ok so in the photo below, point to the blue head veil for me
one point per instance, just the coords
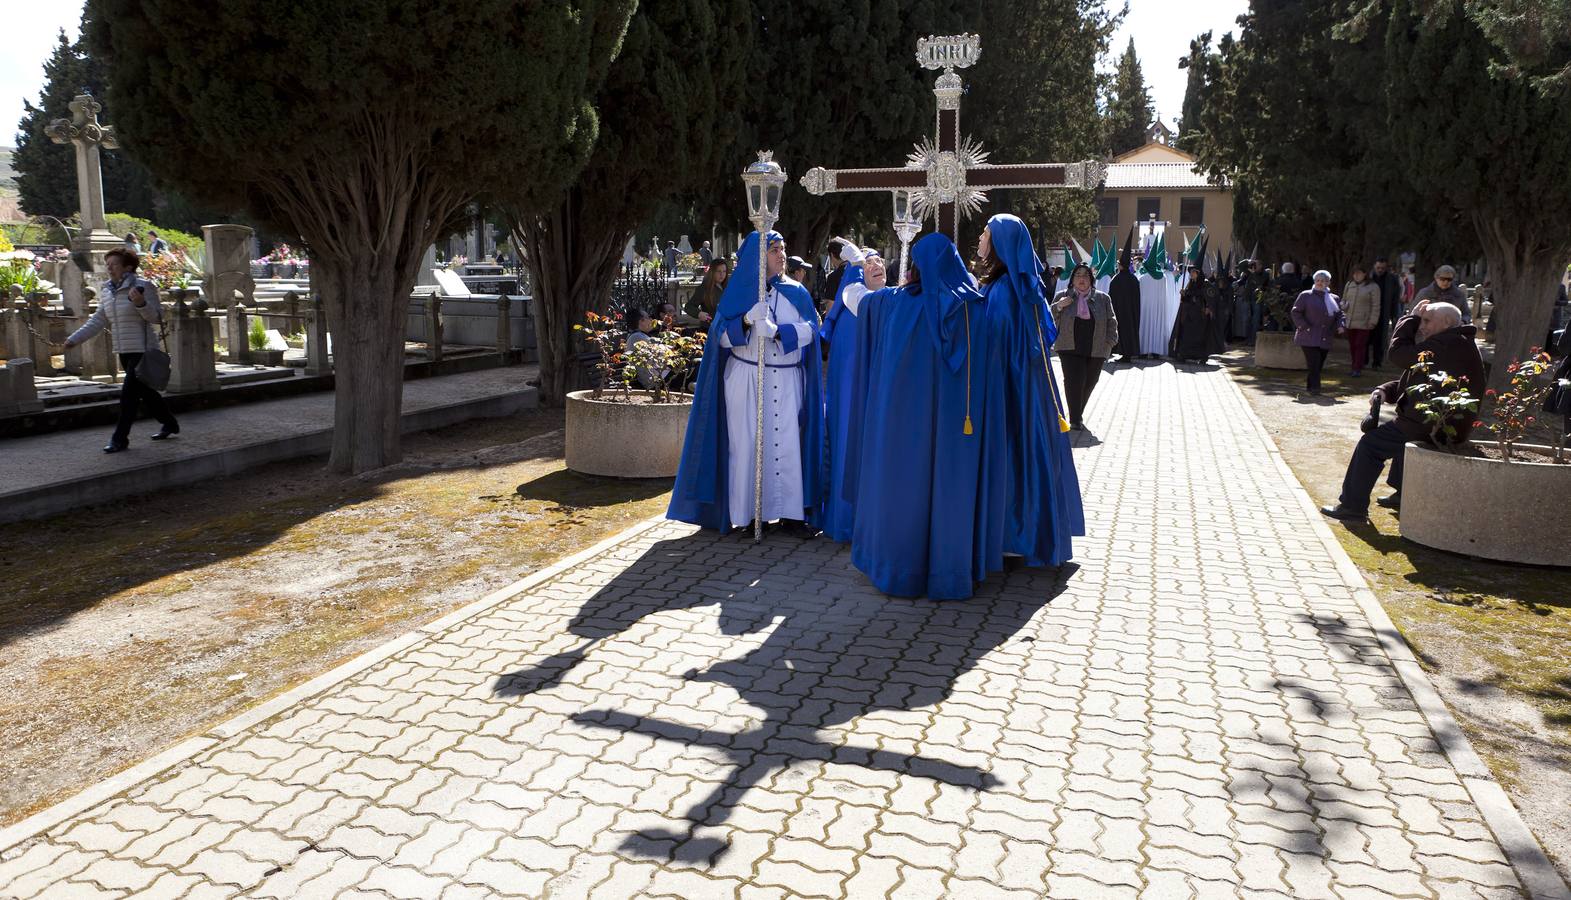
(946, 288)
(741, 289)
(1012, 246)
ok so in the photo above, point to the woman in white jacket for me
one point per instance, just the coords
(128, 307)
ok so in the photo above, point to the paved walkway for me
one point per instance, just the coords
(1205, 705)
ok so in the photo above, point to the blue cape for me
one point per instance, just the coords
(840, 330)
(1044, 509)
(926, 491)
(701, 494)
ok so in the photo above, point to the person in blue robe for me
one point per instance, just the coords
(862, 273)
(716, 477)
(926, 399)
(1044, 510)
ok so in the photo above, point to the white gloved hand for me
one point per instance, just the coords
(849, 251)
(759, 313)
(767, 328)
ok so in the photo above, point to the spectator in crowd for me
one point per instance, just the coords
(1444, 289)
(157, 246)
(128, 307)
(1390, 285)
(831, 282)
(1087, 334)
(668, 315)
(1409, 288)
(1559, 399)
(1318, 319)
(796, 269)
(1434, 328)
(132, 243)
(1361, 303)
(1290, 282)
(639, 324)
(670, 256)
(706, 297)
(705, 255)
(1559, 316)
(1247, 305)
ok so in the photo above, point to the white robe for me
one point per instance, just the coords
(1156, 319)
(783, 392)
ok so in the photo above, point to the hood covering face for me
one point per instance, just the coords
(741, 289)
(946, 289)
(1012, 247)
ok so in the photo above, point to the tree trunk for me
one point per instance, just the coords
(367, 304)
(574, 262)
(1524, 272)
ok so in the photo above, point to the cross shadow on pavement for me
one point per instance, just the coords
(837, 651)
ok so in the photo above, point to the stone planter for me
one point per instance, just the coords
(625, 440)
(1476, 506)
(283, 270)
(273, 358)
(1276, 350)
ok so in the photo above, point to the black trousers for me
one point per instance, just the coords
(133, 392)
(1081, 374)
(1377, 343)
(1316, 358)
(1374, 449)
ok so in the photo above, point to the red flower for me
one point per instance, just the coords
(1477, 424)
(1489, 393)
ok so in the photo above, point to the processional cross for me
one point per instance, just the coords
(948, 178)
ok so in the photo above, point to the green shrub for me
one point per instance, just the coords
(120, 224)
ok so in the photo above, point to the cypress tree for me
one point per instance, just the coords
(364, 145)
(1129, 109)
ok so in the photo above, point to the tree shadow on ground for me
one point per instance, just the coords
(565, 483)
(1468, 581)
(63, 564)
(835, 650)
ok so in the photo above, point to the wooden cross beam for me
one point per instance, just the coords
(948, 177)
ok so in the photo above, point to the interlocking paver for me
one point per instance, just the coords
(1186, 710)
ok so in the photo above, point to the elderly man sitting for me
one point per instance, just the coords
(1435, 328)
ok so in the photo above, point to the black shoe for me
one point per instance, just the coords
(1077, 426)
(1392, 502)
(798, 529)
(167, 432)
(113, 447)
(1344, 514)
(1014, 562)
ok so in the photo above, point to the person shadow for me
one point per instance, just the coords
(836, 650)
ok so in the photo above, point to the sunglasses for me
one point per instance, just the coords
(1444, 280)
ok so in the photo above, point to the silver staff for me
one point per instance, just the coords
(762, 181)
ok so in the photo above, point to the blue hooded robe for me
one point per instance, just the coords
(926, 376)
(701, 495)
(1044, 509)
(840, 331)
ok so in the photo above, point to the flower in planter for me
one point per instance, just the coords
(1441, 399)
(1514, 407)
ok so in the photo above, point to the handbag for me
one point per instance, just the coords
(154, 368)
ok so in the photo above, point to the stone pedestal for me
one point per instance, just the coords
(238, 342)
(228, 267)
(192, 367)
(433, 327)
(74, 293)
(318, 348)
(93, 359)
(504, 324)
(18, 394)
(15, 342)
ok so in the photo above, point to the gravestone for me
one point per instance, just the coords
(318, 341)
(228, 267)
(192, 366)
(18, 394)
(88, 135)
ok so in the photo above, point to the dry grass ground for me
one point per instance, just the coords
(1496, 639)
(127, 627)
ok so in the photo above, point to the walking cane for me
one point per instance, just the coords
(762, 181)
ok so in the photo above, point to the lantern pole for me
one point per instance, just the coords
(762, 181)
(906, 228)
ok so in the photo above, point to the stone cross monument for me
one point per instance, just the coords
(85, 131)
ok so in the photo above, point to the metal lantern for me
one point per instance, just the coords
(902, 205)
(764, 180)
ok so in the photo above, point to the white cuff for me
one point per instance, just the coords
(850, 252)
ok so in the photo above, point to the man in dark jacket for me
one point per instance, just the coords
(1436, 329)
(1390, 309)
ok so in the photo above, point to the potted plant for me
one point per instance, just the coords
(256, 338)
(1274, 347)
(619, 428)
(1470, 497)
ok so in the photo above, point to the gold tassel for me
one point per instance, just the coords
(967, 429)
(968, 424)
(1047, 369)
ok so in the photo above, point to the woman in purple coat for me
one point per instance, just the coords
(1318, 315)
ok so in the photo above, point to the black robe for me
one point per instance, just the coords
(1219, 300)
(1125, 293)
(1192, 328)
